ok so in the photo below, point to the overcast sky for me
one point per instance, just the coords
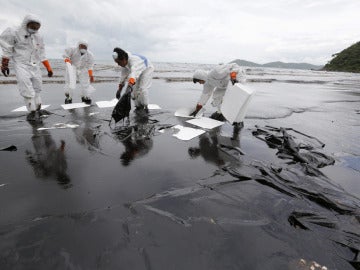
(197, 31)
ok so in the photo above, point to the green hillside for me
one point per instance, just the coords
(348, 60)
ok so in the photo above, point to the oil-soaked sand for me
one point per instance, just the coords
(135, 197)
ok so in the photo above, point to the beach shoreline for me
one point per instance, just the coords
(135, 196)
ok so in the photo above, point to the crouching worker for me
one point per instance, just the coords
(215, 83)
(136, 71)
(25, 47)
(82, 61)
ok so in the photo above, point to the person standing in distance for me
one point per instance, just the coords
(25, 47)
(82, 61)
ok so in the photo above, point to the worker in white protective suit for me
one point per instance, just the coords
(136, 72)
(25, 47)
(82, 61)
(215, 83)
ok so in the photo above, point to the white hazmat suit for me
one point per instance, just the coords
(141, 69)
(216, 82)
(27, 51)
(83, 64)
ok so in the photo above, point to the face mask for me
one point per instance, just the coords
(32, 31)
(83, 51)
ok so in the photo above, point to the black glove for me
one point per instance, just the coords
(198, 108)
(5, 67)
(234, 81)
(118, 92)
(50, 73)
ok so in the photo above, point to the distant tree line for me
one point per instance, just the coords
(347, 60)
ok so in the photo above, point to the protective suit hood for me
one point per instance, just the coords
(29, 18)
(200, 74)
(83, 42)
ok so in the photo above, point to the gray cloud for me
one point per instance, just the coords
(196, 31)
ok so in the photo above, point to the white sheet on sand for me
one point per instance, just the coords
(59, 126)
(205, 122)
(235, 102)
(74, 106)
(154, 107)
(112, 103)
(185, 112)
(107, 104)
(100, 104)
(24, 109)
(187, 133)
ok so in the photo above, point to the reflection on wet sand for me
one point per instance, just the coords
(277, 206)
(215, 148)
(88, 132)
(137, 138)
(48, 160)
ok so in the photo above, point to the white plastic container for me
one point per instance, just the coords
(236, 101)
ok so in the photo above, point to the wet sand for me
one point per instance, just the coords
(135, 197)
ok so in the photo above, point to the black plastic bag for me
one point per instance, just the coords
(123, 107)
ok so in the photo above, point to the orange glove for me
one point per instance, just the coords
(233, 75)
(91, 75)
(48, 67)
(67, 60)
(233, 78)
(131, 81)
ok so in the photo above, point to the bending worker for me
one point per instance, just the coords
(136, 71)
(215, 83)
(25, 47)
(82, 61)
